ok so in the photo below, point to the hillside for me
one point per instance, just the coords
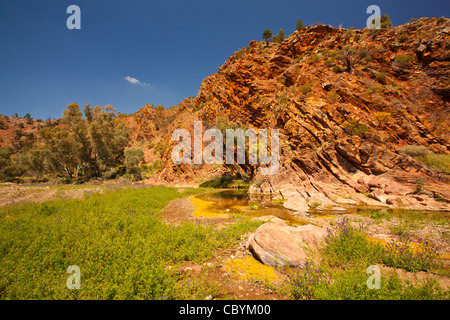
(352, 108)
(340, 131)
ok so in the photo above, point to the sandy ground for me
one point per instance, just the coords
(16, 194)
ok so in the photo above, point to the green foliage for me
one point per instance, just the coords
(374, 87)
(348, 35)
(414, 150)
(383, 117)
(400, 254)
(403, 61)
(352, 55)
(279, 37)
(305, 88)
(305, 280)
(84, 147)
(441, 20)
(380, 76)
(403, 37)
(351, 284)
(333, 96)
(440, 162)
(226, 181)
(133, 159)
(267, 34)
(338, 69)
(316, 57)
(118, 240)
(343, 272)
(354, 128)
(300, 25)
(385, 22)
(346, 243)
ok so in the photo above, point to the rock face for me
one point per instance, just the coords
(277, 244)
(340, 132)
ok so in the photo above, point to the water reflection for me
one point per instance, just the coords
(238, 202)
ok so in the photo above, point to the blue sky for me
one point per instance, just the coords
(168, 46)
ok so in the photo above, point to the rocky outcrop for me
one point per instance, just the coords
(277, 244)
(340, 132)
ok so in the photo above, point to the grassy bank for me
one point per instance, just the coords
(346, 267)
(118, 240)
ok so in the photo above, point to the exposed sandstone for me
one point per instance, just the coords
(333, 144)
(277, 244)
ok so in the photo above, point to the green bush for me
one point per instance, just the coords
(441, 20)
(305, 88)
(415, 150)
(345, 243)
(300, 25)
(354, 128)
(305, 280)
(400, 254)
(440, 162)
(403, 37)
(338, 69)
(403, 61)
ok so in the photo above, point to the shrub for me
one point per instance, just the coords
(403, 61)
(350, 56)
(333, 96)
(304, 281)
(414, 150)
(345, 243)
(338, 69)
(354, 128)
(441, 20)
(400, 254)
(328, 62)
(403, 37)
(374, 87)
(305, 88)
(316, 57)
(279, 37)
(380, 76)
(384, 117)
(385, 22)
(440, 162)
(300, 25)
(348, 35)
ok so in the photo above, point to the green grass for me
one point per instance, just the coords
(122, 246)
(342, 271)
(440, 162)
(312, 282)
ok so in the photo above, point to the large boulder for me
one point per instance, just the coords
(277, 244)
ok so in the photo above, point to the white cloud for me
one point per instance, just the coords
(132, 80)
(137, 82)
